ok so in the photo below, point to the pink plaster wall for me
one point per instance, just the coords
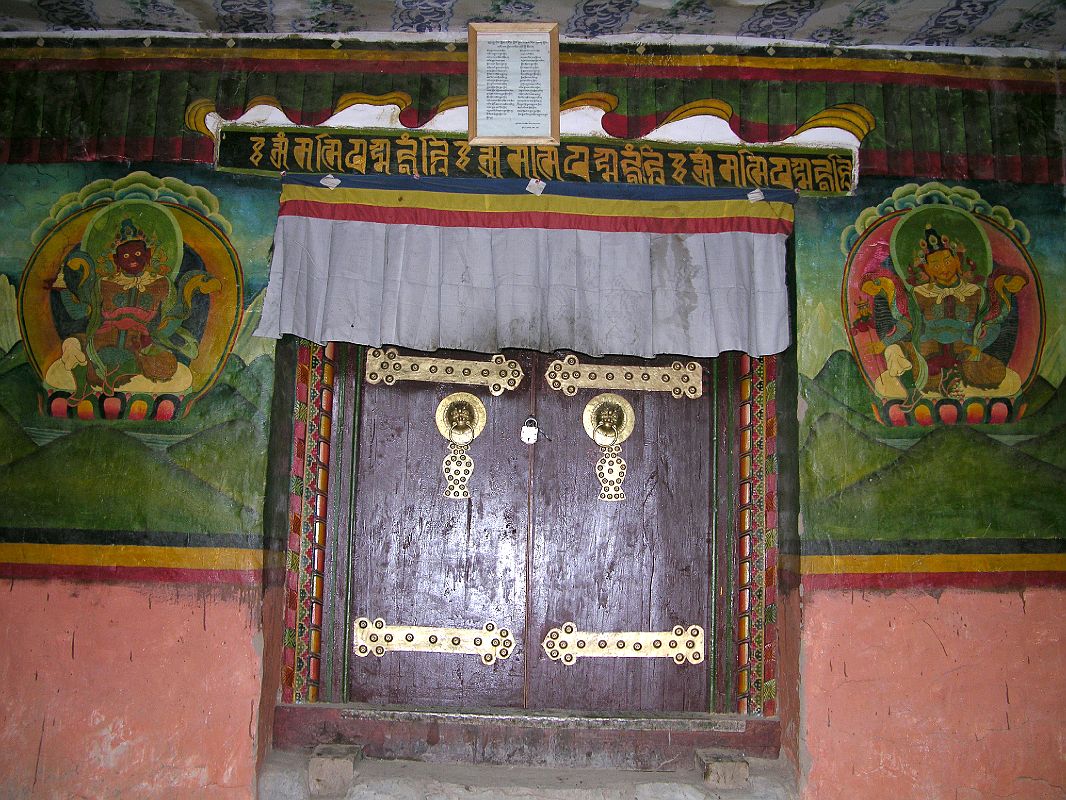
(909, 695)
(128, 691)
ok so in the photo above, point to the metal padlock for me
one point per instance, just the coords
(530, 430)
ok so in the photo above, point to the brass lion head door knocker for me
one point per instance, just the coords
(609, 420)
(460, 418)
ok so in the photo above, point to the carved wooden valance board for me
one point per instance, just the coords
(274, 150)
(126, 99)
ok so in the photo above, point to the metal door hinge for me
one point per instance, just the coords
(681, 644)
(681, 378)
(499, 373)
(375, 638)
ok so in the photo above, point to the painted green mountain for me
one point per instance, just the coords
(230, 457)
(19, 390)
(836, 455)
(254, 382)
(1049, 447)
(1038, 420)
(14, 443)
(13, 357)
(955, 483)
(839, 388)
(249, 346)
(101, 479)
(842, 379)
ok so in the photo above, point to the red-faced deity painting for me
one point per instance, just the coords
(144, 298)
(944, 309)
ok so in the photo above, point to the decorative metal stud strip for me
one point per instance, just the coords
(498, 373)
(376, 638)
(681, 379)
(567, 644)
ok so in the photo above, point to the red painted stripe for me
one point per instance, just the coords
(623, 127)
(352, 212)
(873, 162)
(1009, 168)
(249, 64)
(1036, 169)
(982, 167)
(250, 577)
(111, 147)
(52, 150)
(24, 150)
(718, 72)
(168, 148)
(934, 580)
(757, 132)
(955, 167)
(593, 69)
(927, 164)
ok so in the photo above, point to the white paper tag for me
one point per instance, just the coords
(755, 195)
(535, 186)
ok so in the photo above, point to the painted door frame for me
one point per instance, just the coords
(723, 383)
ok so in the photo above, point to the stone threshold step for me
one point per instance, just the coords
(521, 738)
(285, 776)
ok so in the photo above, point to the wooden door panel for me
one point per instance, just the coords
(423, 559)
(640, 564)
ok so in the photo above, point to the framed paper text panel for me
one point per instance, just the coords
(513, 84)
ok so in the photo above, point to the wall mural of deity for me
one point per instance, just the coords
(931, 348)
(944, 307)
(134, 395)
(145, 294)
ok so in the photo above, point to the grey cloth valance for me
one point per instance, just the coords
(412, 266)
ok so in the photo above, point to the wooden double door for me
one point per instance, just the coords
(533, 548)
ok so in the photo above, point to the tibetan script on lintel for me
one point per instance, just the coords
(312, 151)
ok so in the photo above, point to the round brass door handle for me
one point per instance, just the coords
(608, 419)
(461, 417)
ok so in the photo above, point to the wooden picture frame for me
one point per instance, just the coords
(513, 83)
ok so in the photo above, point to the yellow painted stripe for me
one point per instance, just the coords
(969, 562)
(92, 555)
(842, 64)
(778, 63)
(558, 204)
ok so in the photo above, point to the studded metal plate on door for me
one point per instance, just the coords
(567, 644)
(680, 378)
(375, 638)
(498, 373)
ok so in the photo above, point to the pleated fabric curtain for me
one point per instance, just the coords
(484, 265)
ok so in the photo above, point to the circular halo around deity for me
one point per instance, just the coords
(152, 220)
(608, 419)
(949, 222)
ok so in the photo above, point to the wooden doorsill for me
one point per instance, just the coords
(524, 738)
